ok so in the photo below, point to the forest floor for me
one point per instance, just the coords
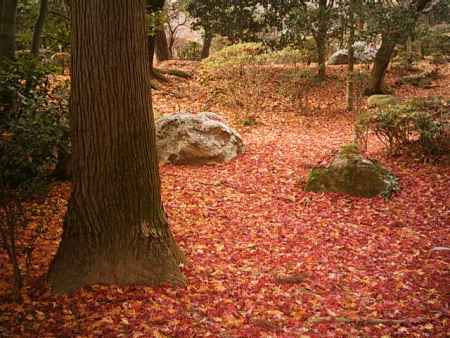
(265, 258)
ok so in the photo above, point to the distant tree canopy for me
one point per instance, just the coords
(239, 20)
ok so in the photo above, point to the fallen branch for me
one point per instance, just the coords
(176, 72)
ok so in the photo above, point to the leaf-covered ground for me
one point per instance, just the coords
(265, 258)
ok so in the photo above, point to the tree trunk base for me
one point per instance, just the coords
(148, 261)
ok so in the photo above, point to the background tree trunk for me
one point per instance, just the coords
(207, 41)
(8, 9)
(351, 58)
(321, 38)
(321, 55)
(380, 65)
(115, 230)
(151, 50)
(38, 28)
(162, 47)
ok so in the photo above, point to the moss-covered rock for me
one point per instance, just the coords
(381, 101)
(352, 174)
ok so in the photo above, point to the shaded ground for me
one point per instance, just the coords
(266, 259)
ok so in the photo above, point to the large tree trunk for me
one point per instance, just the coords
(8, 10)
(162, 47)
(207, 40)
(380, 65)
(38, 28)
(115, 230)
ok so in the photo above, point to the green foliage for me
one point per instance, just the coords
(406, 60)
(422, 80)
(238, 54)
(33, 122)
(237, 20)
(433, 40)
(287, 55)
(425, 123)
(56, 35)
(255, 53)
(191, 51)
(218, 43)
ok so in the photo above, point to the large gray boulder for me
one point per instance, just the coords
(352, 174)
(185, 138)
(362, 54)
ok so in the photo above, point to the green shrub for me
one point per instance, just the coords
(191, 51)
(218, 43)
(438, 59)
(407, 60)
(33, 122)
(435, 42)
(425, 123)
(287, 55)
(238, 54)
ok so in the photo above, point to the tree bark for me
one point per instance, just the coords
(380, 64)
(151, 50)
(8, 9)
(38, 28)
(321, 56)
(351, 58)
(115, 230)
(207, 40)
(321, 38)
(162, 47)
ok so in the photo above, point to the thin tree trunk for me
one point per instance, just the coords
(8, 9)
(321, 38)
(115, 231)
(321, 56)
(162, 47)
(38, 28)
(380, 65)
(351, 58)
(151, 50)
(207, 41)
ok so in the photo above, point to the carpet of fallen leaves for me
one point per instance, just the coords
(265, 258)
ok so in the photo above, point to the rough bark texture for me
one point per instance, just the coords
(115, 231)
(7, 28)
(162, 47)
(38, 28)
(380, 65)
(207, 40)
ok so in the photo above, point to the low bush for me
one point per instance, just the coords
(191, 51)
(256, 53)
(421, 122)
(33, 134)
(33, 122)
(238, 54)
(287, 55)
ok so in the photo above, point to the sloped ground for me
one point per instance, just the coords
(266, 259)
